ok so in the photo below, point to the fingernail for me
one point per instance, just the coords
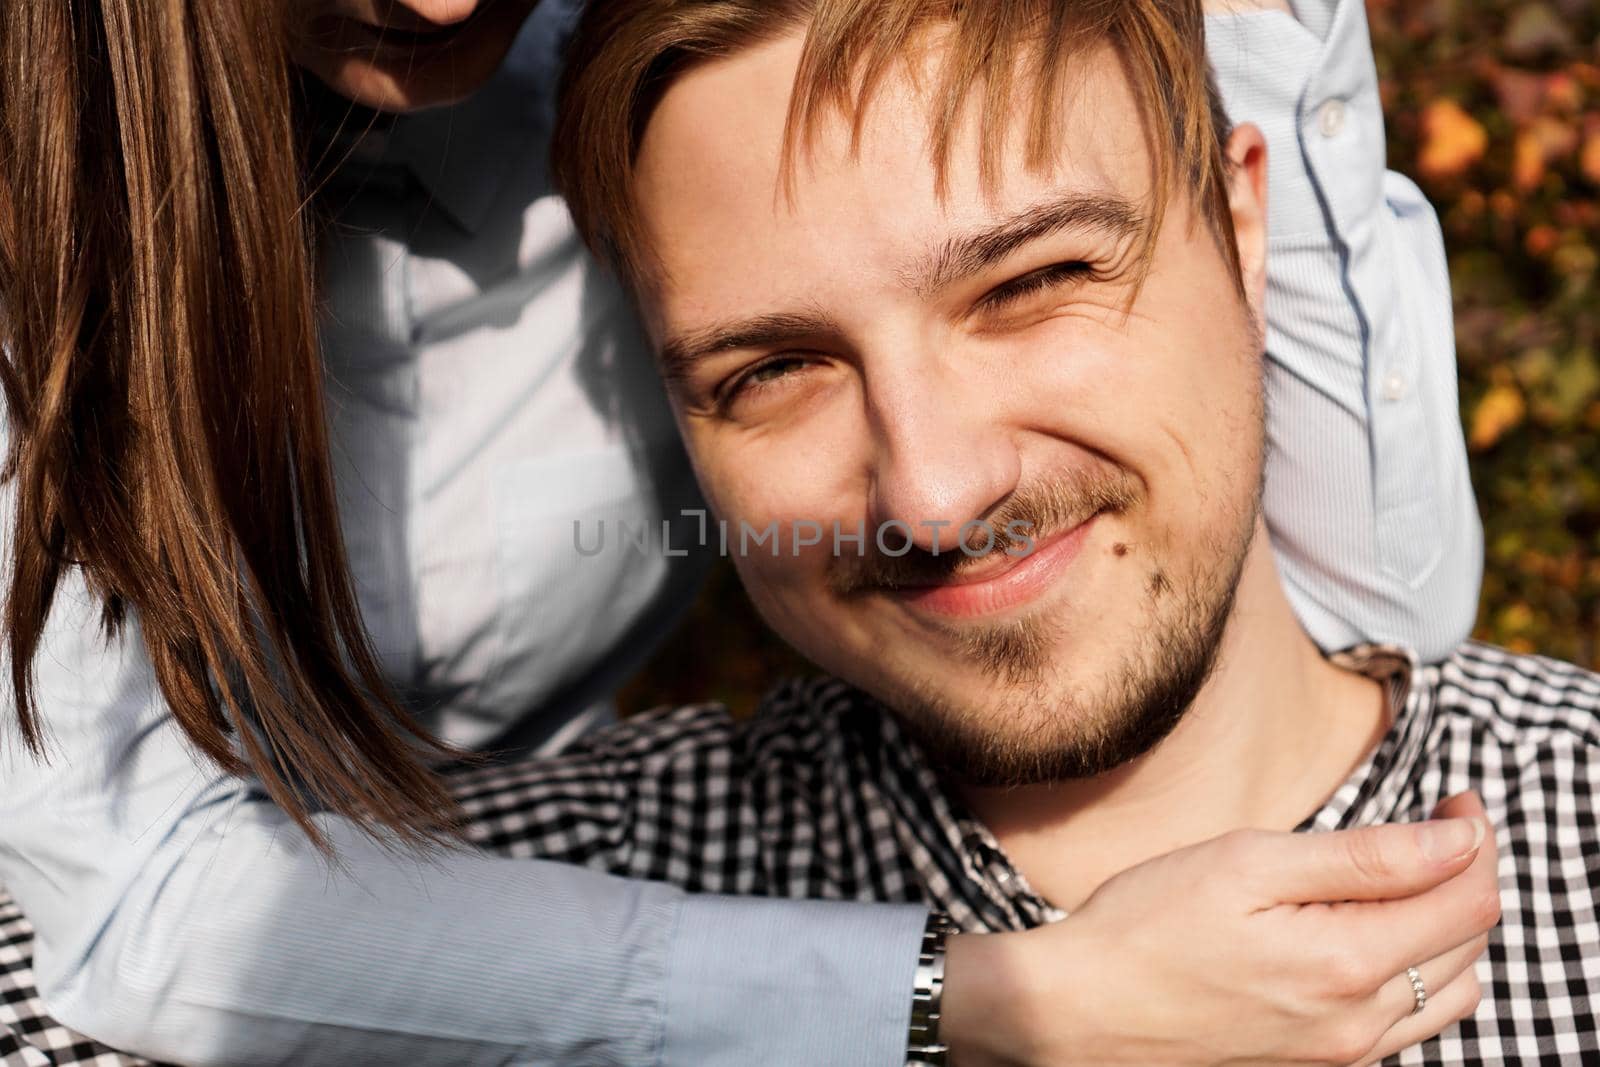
(1442, 840)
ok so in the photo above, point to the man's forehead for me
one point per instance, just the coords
(712, 186)
(734, 112)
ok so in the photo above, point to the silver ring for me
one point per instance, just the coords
(1418, 991)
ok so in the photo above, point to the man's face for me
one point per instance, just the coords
(864, 350)
(399, 55)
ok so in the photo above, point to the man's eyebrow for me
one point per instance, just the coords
(957, 258)
(680, 353)
(969, 254)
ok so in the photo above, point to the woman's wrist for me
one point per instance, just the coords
(1012, 999)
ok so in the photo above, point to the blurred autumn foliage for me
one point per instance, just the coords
(1494, 107)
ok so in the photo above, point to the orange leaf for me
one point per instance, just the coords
(1557, 137)
(1541, 240)
(1452, 140)
(1563, 91)
(1544, 142)
(1527, 161)
(1590, 160)
(1500, 410)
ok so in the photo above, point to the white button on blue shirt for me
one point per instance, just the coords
(1330, 118)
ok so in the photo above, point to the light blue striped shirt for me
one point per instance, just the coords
(485, 379)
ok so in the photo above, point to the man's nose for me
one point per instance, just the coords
(944, 458)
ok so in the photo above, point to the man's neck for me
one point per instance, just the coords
(1271, 736)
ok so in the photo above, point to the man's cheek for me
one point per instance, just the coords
(795, 566)
(791, 608)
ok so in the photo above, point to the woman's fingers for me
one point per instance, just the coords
(1402, 932)
(1395, 1000)
(1461, 805)
(1455, 1000)
(1370, 863)
(1396, 934)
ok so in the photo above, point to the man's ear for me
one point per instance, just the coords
(1247, 200)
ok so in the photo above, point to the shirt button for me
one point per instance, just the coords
(1330, 118)
(1394, 387)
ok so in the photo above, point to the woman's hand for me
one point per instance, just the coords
(1251, 948)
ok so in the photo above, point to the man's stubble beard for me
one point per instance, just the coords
(1082, 735)
(1021, 740)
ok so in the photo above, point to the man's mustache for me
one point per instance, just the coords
(1020, 522)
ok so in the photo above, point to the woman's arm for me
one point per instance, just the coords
(1368, 497)
(181, 916)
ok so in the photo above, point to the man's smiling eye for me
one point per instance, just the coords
(1051, 277)
(761, 375)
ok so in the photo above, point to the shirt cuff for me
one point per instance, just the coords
(752, 980)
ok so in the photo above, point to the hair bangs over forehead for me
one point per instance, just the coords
(1012, 58)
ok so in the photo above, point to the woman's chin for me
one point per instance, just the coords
(397, 85)
(353, 60)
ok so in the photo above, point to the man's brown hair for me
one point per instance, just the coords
(625, 54)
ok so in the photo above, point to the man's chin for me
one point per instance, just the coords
(1030, 737)
(1031, 705)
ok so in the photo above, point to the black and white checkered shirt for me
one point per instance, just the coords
(822, 795)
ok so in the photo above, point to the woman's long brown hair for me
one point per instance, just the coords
(164, 396)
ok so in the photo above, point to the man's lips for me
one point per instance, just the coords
(1001, 581)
